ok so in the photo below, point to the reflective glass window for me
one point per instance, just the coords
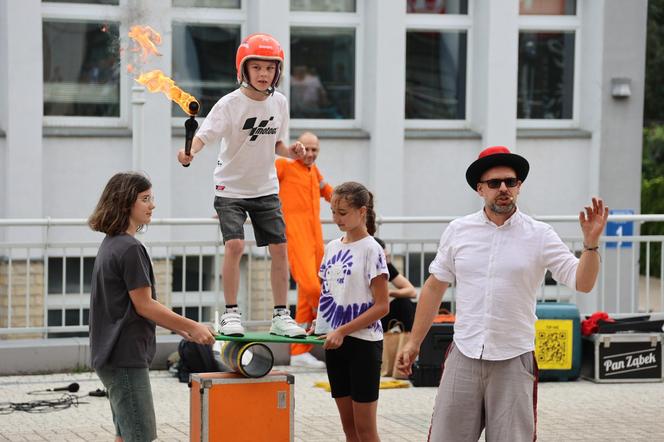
(437, 6)
(94, 2)
(81, 69)
(436, 75)
(323, 5)
(322, 80)
(204, 62)
(547, 7)
(228, 4)
(546, 75)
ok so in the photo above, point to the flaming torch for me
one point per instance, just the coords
(156, 81)
(190, 127)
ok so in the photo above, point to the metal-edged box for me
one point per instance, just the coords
(623, 357)
(558, 341)
(231, 407)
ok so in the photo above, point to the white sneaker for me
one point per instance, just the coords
(306, 360)
(284, 325)
(230, 323)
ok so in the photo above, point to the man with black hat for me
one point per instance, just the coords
(498, 258)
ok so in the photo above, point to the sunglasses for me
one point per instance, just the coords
(496, 182)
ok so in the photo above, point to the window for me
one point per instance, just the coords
(547, 7)
(437, 42)
(547, 63)
(546, 75)
(204, 44)
(436, 75)
(231, 4)
(198, 273)
(204, 62)
(95, 2)
(323, 5)
(437, 6)
(72, 317)
(81, 68)
(193, 314)
(322, 81)
(71, 268)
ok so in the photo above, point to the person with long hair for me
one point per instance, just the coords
(353, 298)
(124, 310)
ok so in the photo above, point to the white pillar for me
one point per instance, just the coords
(272, 17)
(155, 155)
(23, 74)
(137, 139)
(383, 113)
(494, 77)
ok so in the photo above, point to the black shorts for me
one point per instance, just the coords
(264, 211)
(354, 369)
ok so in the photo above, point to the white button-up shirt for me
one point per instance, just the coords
(498, 270)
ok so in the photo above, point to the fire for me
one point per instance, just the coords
(156, 81)
(147, 39)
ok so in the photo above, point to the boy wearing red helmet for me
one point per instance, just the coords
(251, 123)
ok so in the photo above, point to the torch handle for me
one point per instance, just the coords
(190, 127)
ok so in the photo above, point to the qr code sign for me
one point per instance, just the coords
(553, 344)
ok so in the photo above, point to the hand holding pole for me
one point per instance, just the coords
(190, 126)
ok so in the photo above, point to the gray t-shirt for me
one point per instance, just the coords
(120, 337)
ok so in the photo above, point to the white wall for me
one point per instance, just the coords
(3, 178)
(63, 176)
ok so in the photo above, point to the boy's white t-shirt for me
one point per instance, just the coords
(248, 131)
(346, 272)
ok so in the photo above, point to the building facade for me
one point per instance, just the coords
(404, 94)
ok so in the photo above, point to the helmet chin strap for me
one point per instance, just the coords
(269, 91)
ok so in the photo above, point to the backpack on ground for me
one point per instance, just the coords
(194, 358)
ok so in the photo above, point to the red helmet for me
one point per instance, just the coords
(260, 46)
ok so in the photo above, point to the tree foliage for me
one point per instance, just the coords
(652, 188)
(654, 92)
(652, 192)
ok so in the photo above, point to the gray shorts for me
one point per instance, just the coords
(496, 396)
(264, 212)
(130, 395)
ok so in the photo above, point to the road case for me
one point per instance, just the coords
(231, 407)
(428, 368)
(435, 343)
(623, 357)
(558, 341)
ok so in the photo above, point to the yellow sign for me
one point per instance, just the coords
(553, 344)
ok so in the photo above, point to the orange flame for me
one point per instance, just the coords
(156, 81)
(147, 40)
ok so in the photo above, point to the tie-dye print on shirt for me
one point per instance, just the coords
(346, 272)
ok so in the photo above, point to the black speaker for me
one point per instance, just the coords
(434, 346)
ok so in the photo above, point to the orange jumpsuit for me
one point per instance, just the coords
(300, 193)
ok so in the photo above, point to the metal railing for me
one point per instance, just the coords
(44, 285)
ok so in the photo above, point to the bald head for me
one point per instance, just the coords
(312, 148)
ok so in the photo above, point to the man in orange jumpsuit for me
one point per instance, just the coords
(301, 187)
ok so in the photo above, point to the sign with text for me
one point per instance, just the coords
(620, 228)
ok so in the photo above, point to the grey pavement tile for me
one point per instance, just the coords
(567, 411)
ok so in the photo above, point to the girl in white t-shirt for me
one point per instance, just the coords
(354, 297)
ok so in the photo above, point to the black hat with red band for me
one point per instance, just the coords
(496, 156)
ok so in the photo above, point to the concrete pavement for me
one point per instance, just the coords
(578, 410)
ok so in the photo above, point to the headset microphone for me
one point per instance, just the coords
(72, 388)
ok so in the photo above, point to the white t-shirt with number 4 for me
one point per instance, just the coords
(346, 272)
